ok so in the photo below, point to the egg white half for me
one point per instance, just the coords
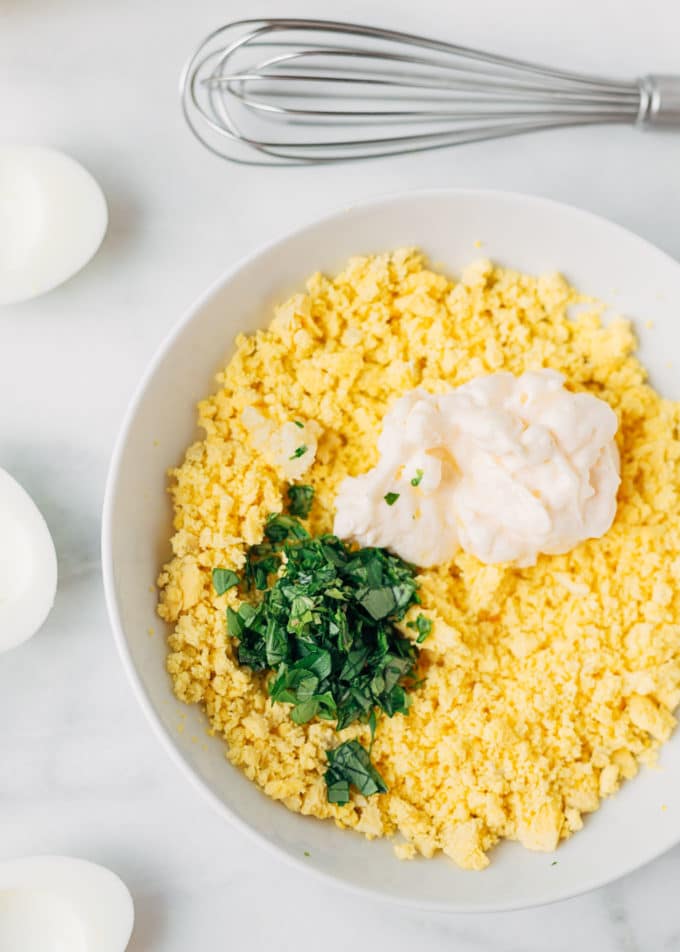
(53, 217)
(56, 903)
(28, 565)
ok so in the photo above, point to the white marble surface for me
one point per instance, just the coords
(81, 772)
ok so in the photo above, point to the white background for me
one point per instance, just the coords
(80, 772)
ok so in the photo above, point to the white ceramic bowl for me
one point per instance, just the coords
(527, 233)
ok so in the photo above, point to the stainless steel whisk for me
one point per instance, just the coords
(291, 92)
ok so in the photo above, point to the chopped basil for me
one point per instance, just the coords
(391, 498)
(379, 602)
(325, 627)
(280, 527)
(372, 724)
(300, 500)
(350, 764)
(223, 580)
(422, 625)
(299, 423)
(418, 476)
(300, 451)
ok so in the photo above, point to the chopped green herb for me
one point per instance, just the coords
(300, 451)
(422, 625)
(307, 853)
(350, 764)
(418, 476)
(554, 863)
(280, 527)
(325, 626)
(300, 500)
(264, 559)
(372, 724)
(223, 580)
(391, 498)
(299, 423)
(259, 569)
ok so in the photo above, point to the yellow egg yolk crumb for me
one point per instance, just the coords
(544, 688)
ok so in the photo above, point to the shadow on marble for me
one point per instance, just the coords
(125, 214)
(50, 478)
(150, 925)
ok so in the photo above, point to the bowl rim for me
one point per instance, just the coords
(161, 732)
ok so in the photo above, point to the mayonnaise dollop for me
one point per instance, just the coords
(503, 467)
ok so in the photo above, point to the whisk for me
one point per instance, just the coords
(296, 91)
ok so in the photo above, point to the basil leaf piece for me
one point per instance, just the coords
(379, 602)
(300, 499)
(223, 580)
(234, 623)
(280, 527)
(372, 724)
(337, 788)
(304, 711)
(263, 569)
(275, 643)
(354, 664)
(328, 710)
(318, 661)
(422, 625)
(351, 763)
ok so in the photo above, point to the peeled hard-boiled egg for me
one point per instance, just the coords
(28, 566)
(58, 904)
(53, 217)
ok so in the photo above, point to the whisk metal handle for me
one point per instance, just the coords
(660, 100)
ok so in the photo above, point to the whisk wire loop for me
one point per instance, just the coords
(299, 91)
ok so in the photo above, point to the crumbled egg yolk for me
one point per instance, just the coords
(544, 687)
